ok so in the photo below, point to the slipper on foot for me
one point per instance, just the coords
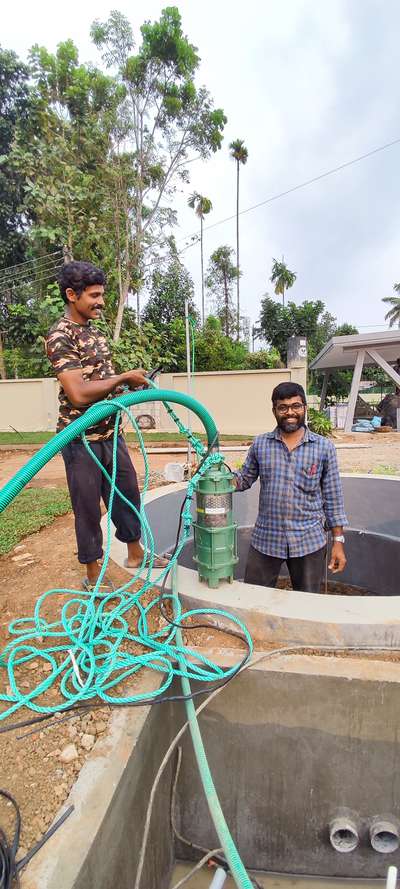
(104, 589)
(158, 562)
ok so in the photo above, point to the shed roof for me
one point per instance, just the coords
(341, 351)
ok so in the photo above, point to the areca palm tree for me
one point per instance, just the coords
(201, 206)
(393, 315)
(240, 154)
(282, 277)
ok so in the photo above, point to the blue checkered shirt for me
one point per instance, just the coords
(300, 494)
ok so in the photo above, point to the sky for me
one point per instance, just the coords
(308, 85)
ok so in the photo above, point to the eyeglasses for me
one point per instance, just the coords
(297, 407)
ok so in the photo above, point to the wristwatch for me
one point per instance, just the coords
(339, 538)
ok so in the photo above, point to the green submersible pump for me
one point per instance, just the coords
(215, 533)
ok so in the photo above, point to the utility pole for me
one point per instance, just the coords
(189, 381)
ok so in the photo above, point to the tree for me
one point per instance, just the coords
(393, 315)
(282, 277)
(69, 186)
(221, 275)
(14, 108)
(310, 319)
(169, 290)
(166, 118)
(240, 154)
(202, 206)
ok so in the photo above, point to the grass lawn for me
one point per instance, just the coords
(33, 509)
(38, 438)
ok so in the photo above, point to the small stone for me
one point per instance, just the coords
(69, 753)
(47, 668)
(21, 852)
(60, 790)
(100, 726)
(72, 731)
(21, 558)
(33, 665)
(87, 742)
(19, 548)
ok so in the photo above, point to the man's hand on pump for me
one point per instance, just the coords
(135, 379)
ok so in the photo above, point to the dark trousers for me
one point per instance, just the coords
(306, 572)
(88, 486)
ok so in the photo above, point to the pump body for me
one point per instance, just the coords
(215, 533)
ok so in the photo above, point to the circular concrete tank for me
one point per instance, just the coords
(297, 743)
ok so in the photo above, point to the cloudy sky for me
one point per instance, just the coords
(309, 85)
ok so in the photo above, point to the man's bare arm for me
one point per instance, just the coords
(81, 393)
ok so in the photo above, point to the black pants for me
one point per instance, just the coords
(306, 572)
(87, 486)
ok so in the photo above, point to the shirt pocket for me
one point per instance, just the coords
(308, 478)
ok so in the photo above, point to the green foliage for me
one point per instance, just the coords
(33, 509)
(26, 326)
(221, 274)
(383, 469)
(282, 277)
(14, 110)
(200, 204)
(264, 359)
(166, 118)
(318, 422)
(309, 319)
(393, 315)
(168, 292)
(238, 151)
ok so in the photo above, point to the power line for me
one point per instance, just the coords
(28, 261)
(16, 270)
(42, 266)
(48, 277)
(283, 194)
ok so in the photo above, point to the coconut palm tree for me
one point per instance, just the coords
(201, 206)
(393, 315)
(282, 277)
(240, 154)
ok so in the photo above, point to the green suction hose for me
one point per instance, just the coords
(92, 416)
(236, 865)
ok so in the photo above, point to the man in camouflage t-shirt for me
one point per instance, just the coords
(81, 360)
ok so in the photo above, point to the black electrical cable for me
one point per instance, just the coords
(8, 851)
(9, 867)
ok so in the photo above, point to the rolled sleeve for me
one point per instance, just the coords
(248, 474)
(332, 491)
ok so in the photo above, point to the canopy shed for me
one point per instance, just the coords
(355, 352)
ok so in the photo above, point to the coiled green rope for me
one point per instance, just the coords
(87, 647)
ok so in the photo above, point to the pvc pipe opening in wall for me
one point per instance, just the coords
(384, 836)
(343, 835)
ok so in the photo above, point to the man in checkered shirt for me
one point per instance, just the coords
(300, 497)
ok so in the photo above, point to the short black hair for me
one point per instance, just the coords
(78, 276)
(288, 390)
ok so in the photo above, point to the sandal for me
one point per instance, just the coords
(158, 563)
(104, 589)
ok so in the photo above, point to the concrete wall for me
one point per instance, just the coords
(290, 742)
(239, 401)
(98, 847)
(28, 405)
(289, 746)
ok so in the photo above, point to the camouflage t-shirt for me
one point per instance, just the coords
(72, 346)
